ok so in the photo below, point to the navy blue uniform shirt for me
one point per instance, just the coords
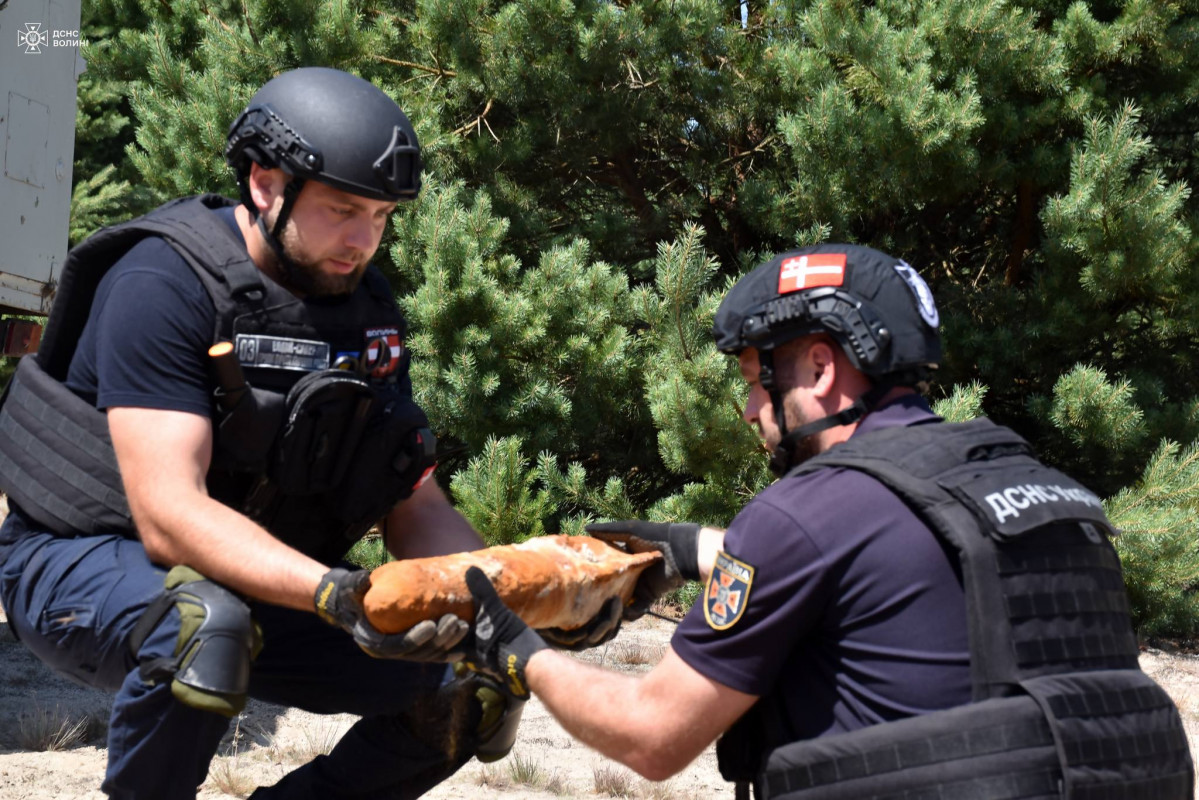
(855, 613)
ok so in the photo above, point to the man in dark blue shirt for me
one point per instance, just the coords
(853, 612)
(827, 595)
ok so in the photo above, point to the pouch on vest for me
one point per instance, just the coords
(327, 415)
(739, 751)
(1104, 734)
(1117, 733)
(993, 750)
(247, 432)
(390, 462)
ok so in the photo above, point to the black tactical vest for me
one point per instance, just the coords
(1061, 708)
(315, 455)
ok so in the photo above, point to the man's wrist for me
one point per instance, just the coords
(539, 664)
(337, 599)
(711, 541)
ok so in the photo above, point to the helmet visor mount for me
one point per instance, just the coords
(398, 168)
(263, 135)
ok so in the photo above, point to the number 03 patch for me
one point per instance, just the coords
(727, 592)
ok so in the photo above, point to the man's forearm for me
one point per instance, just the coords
(231, 549)
(611, 715)
(164, 458)
(427, 525)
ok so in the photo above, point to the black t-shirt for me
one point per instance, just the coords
(853, 610)
(148, 333)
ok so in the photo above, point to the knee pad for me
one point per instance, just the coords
(218, 640)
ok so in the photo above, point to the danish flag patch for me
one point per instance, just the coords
(727, 591)
(810, 271)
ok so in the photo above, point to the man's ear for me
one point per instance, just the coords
(823, 360)
(266, 187)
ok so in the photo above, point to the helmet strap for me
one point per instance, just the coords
(784, 453)
(766, 379)
(290, 192)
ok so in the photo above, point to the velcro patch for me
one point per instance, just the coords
(382, 351)
(810, 271)
(728, 591)
(1013, 504)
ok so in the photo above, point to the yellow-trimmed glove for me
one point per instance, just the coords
(338, 601)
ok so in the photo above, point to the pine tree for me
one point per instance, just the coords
(598, 173)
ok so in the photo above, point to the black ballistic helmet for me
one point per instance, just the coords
(874, 305)
(330, 126)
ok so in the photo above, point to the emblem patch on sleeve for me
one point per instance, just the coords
(727, 592)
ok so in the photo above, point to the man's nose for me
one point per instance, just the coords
(361, 235)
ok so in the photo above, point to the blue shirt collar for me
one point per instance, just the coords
(903, 411)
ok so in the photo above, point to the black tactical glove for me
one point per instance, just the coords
(502, 643)
(678, 542)
(601, 628)
(338, 601)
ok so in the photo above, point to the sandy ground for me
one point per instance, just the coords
(268, 741)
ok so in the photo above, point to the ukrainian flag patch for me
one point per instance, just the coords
(727, 591)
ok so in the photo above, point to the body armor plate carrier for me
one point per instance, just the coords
(1061, 708)
(315, 457)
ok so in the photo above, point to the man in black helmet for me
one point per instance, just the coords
(862, 587)
(220, 408)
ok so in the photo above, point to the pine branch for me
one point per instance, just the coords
(438, 71)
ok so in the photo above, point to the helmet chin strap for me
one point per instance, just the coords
(290, 192)
(783, 454)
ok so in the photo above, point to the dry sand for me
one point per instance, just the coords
(268, 741)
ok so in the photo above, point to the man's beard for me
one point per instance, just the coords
(803, 449)
(302, 274)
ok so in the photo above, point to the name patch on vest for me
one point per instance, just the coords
(254, 350)
(727, 592)
(1014, 504)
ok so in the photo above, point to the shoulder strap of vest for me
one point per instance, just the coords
(987, 468)
(201, 237)
(212, 246)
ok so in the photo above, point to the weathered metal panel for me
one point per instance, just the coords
(39, 69)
